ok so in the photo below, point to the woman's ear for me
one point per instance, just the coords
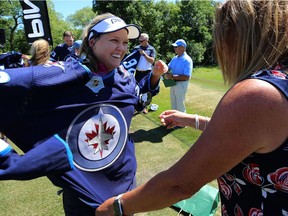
(92, 42)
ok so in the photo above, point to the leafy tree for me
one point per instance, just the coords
(118, 7)
(167, 31)
(80, 19)
(194, 23)
(11, 20)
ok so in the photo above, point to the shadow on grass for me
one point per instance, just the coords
(154, 135)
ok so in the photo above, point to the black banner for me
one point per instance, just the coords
(36, 20)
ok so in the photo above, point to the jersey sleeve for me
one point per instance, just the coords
(50, 156)
(20, 90)
(146, 92)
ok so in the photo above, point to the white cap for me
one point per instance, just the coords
(113, 24)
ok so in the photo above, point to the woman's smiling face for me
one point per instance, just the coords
(110, 48)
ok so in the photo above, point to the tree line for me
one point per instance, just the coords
(164, 21)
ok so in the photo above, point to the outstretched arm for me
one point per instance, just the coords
(172, 118)
(50, 156)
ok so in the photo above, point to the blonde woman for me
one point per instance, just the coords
(40, 52)
(245, 144)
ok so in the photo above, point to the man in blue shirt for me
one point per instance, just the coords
(180, 68)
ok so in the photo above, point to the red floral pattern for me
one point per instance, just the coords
(224, 188)
(224, 211)
(255, 212)
(252, 175)
(238, 211)
(280, 179)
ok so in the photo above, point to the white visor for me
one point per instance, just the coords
(113, 24)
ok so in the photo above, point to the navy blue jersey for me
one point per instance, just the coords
(11, 60)
(63, 53)
(67, 104)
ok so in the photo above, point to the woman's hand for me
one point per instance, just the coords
(172, 118)
(106, 208)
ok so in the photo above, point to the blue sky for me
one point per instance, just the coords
(68, 7)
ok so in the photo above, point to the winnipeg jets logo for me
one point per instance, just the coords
(97, 137)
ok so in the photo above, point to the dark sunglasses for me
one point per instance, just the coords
(141, 41)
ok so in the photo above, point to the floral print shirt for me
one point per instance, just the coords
(259, 184)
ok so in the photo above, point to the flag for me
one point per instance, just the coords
(36, 20)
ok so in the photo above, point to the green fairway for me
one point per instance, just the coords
(156, 148)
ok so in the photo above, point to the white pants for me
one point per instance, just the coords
(177, 95)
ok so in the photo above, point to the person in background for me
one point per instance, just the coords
(76, 46)
(180, 70)
(245, 144)
(40, 53)
(146, 60)
(64, 51)
(77, 134)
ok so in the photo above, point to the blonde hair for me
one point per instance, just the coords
(40, 52)
(90, 60)
(250, 35)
